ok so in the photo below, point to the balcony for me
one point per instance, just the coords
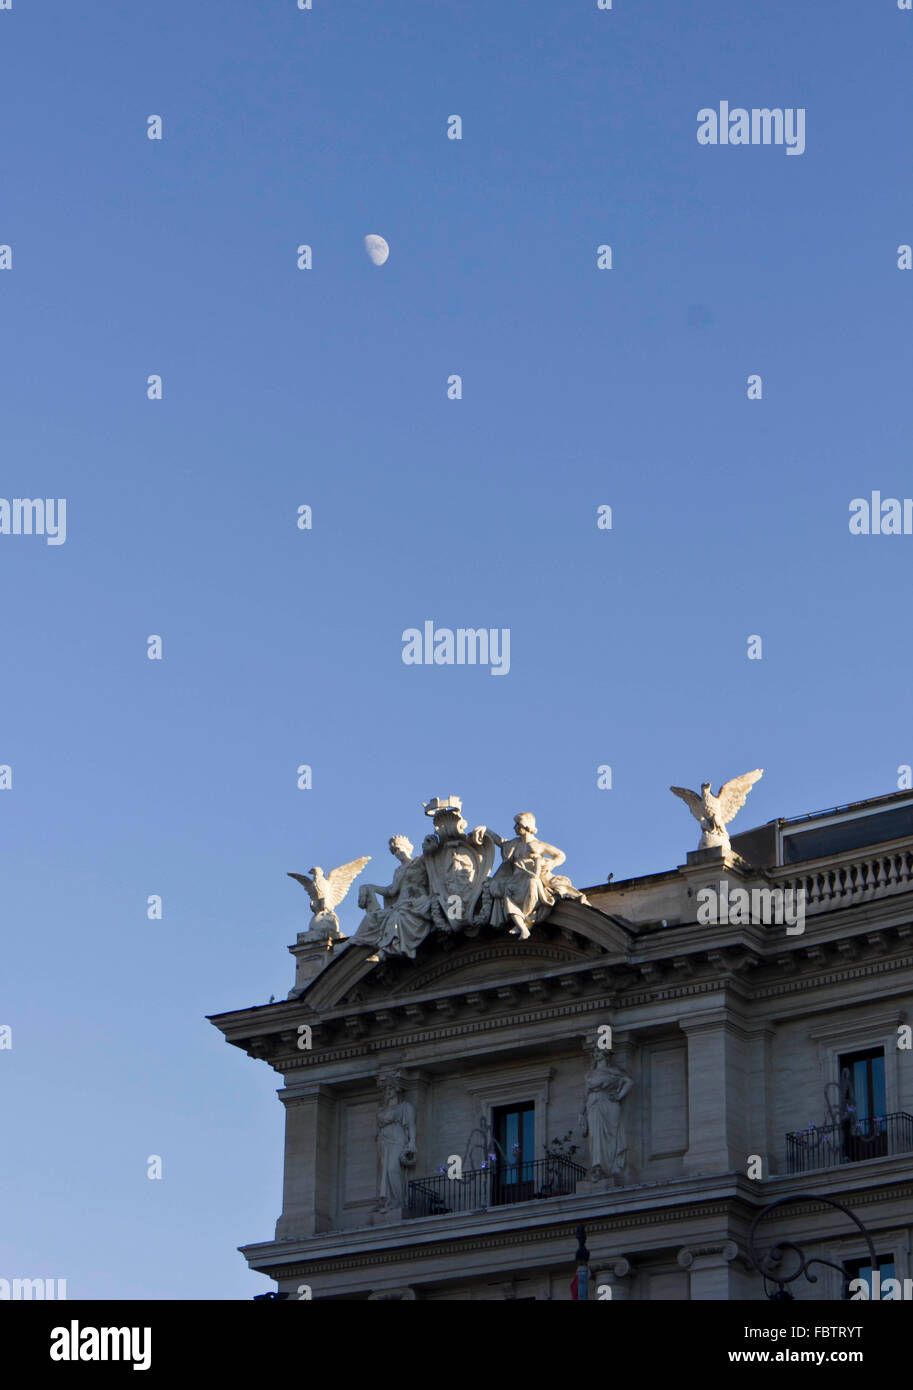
(495, 1186)
(853, 1141)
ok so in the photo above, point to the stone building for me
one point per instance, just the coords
(496, 1058)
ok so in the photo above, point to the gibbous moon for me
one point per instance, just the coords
(376, 248)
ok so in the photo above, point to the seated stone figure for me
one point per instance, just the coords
(525, 887)
(401, 925)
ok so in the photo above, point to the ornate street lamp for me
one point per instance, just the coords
(768, 1265)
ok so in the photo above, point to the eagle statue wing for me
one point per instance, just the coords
(694, 802)
(732, 794)
(338, 881)
(309, 885)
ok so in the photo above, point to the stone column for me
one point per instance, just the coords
(708, 1267)
(308, 1185)
(617, 1275)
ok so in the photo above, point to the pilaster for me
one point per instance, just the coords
(310, 1149)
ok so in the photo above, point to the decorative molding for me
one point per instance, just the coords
(507, 951)
(841, 1031)
(356, 1025)
(618, 1226)
(319, 1090)
(566, 1233)
(506, 1083)
(472, 1026)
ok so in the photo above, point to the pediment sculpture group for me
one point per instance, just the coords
(449, 887)
(601, 1124)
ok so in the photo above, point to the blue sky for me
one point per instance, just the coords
(328, 388)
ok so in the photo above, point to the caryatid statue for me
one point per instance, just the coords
(715, 812)
(395, 1142)
(601, 1120)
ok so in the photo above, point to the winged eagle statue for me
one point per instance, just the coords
(715, 812)
(326, 892)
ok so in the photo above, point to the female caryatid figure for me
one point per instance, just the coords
(602, 1124)
(395, 1145)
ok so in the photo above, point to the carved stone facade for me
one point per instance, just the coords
(460, 1099)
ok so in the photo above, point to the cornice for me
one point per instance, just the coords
(863, 971)
(738, 1205)
(844, 925)
(565, 1230)
(422, 1036)
(594, 986)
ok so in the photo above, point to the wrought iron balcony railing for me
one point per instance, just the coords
(851, 1141)
(495, 1186)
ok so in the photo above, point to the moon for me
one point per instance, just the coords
(376, 248)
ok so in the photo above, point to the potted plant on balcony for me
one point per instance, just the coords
(557, 1154)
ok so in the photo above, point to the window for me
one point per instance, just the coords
(515, 1146)
(864, 1129)
(843, 834)
(862, 1269)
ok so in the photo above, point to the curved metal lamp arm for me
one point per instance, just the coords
(775, 1254)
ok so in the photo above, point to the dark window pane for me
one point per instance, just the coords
(529, 1141)
(861, 1269)
(514, 1128)
(878, 1092)
(866, 1075)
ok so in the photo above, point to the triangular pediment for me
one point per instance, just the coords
(572, 935)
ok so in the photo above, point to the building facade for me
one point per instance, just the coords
(495, 1058)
